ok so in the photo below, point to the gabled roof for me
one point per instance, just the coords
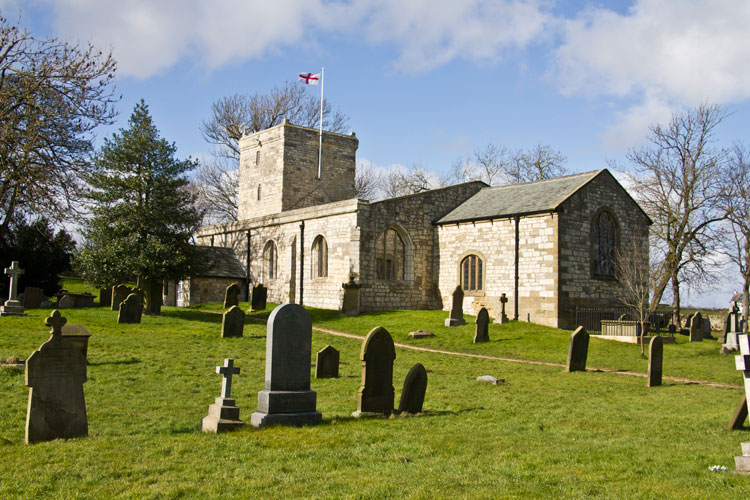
(222, 263)
(519, 199)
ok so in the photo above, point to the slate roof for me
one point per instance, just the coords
(223, 263)
(518, 199)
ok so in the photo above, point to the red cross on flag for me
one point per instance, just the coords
(309, 78)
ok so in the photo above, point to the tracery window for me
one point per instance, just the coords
(604, 241)
(390, 256)
(269, 260)
(471, 274)
(319, 257)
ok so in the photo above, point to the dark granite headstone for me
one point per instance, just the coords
(655, 358)
(105, 296)
(481, 332)
(55, 374)
(456, 317)
(232, 323)
(578, 350)
(33, 297)
(696, 327)
(375, 395)
(119, 293)
(287, 398)
(131, 309)
(258, 298)
(415, 386)
(327, 363)
(223, 415)
(232, 295)
(740, 415)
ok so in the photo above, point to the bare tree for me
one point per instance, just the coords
(536, 164)
(52, 97)
(399, 182)
(678, 180)
(216, 185)
(736, 203)
(497, 165)
(632, 270)
(366, 182)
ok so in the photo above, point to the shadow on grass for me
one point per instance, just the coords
(131, 361)
(193, 315)
(427, 413)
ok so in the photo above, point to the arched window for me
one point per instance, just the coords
(319, 257)
(472, 274)
(604, 239)
(269, 260)
(390, 256)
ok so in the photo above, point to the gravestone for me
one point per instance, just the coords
(223, 415)
(740, 414)
(503, 317)
(456, 317)
(55, 374)
(287, 398)
(672, 329)
(33, 297)
(696, 327)
(481, 332)
(105, 296)
(375, 395)
(13, 306)
(258, 298)
(421, 334)
(578, 350)
(707, 329)
(131, 309)
(415, 386)
(327, 363)
(730, 342)
(350, 304)
(742, 362)
(78, 336)
(232, 295)
(232, 322)
(75, 300)
(119, 293)
(655, 358)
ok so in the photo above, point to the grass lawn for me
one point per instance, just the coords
(543, 434)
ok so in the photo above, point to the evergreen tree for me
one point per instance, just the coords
(143, 214)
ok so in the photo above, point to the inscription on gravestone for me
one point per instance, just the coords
(578, 350)
(327, 363)
(655, 358)
(415, 386)
(375, 395)
(55, 374)
(481, 332)
(232, 322)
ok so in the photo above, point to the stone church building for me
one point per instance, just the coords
(549, 246)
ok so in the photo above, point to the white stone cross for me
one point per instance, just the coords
(742, 362)
(14, 271)
(227, 370)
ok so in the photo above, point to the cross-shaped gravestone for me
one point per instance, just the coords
(503, 316)
(14, 271)
(742, 362)
(227, 371)
(55, 321)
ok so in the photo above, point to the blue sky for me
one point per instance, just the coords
(429, 81)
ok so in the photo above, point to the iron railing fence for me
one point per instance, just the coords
(591, 317)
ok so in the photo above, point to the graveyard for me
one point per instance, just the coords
(540, 432)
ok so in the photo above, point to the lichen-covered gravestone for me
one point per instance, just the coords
(456, 317)
(232, 323)
(55, 374)
(578, 350)
(131, 309)
(232, 295)
(223, 415)
(12, 306)
(327, 363)
(258, 298)
(287, 398)
(696, 327)
(119, 293)
(655, 358)
(375, 395)
(415, 386)
(481, 332)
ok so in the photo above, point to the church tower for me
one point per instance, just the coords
(279, 169)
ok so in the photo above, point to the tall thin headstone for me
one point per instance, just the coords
(456, 317)
(415, 386)
(13, 306)
(481, 332)
(287, 398)
(327, 363)
(375, 395)
(578, 350)
(105, 296)
(696, 328)
(742, 362)
(223, 415)
(232, 322)
(55, 374)
(655, 358)
(232, 295)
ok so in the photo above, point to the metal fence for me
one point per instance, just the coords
(591, 317)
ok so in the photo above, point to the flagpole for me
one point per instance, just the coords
(320, 142)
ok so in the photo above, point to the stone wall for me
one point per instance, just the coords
(201, 289)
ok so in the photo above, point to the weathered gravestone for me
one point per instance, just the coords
(105, 296)
(742, 363)
(503, 317)
(78, 336)
(740, 415)
(12, 306)
(481, 332)
(327, 363)
(33, 297)
(119, 293)
(415, 386)
(232, 323)
(131, 309)
(696, 327)
(75, 300)
(232, 295)
(287, 398)
(707, 329)
(223, 415)
(55, 374)
(375, 395)
(655, 358)
(350, 304)
(258, 298)
(578, 350)
(456, 317)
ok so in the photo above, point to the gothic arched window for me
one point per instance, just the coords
(390, 256)
(604, 240)
(319, 257)
(472, 274)
(269, 260)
